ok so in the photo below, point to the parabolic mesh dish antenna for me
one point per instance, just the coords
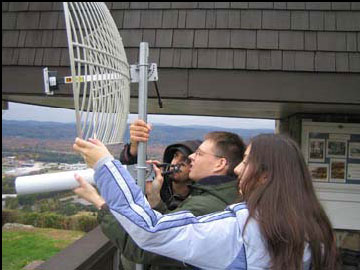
(100, 77)
(99, 72)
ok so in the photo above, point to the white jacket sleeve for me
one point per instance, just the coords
(213, 241)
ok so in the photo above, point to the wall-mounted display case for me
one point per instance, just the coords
(332, 152)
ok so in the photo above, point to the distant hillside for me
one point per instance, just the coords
(37, 130)
(161, 134)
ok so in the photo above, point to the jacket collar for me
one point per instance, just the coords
(215, 180)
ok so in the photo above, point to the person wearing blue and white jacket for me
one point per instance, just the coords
(281, 224)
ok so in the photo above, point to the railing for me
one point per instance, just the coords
(92, 252)
(95, 252)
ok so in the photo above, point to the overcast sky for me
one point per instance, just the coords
(23, 112)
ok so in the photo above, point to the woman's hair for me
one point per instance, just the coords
(285, 204)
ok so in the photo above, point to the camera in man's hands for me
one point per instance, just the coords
(169, 169)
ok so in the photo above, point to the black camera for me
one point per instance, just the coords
(169, 169)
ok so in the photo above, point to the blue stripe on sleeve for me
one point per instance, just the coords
(240, 261)
(237, 207)
(135, 197)
(136, 217)
(139, 199)
(170, 224)
(131, 203)
(217, 217)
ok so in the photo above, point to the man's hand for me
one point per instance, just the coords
(92, 151)
(153, 188)
(139, 132)
(88, 192)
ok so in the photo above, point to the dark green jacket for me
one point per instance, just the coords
(208, 195)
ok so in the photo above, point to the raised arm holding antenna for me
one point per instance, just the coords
(214, 187)
(280, 225)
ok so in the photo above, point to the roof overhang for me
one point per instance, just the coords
(232, 93)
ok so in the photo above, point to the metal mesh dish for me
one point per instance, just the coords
(99, 72)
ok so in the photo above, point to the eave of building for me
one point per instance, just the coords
(233, 93)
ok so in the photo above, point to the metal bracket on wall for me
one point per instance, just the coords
(152, 73)
(152, 77)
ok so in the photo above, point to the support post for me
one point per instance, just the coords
(142, 109)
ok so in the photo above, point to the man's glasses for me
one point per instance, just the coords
(200, 152)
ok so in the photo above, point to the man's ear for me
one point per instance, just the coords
(221, 165)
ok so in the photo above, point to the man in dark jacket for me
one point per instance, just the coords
(214, 188)
(175, 186)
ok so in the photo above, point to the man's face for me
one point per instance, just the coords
(203, 161)
(183, 175)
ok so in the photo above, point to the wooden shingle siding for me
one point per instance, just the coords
(195, 19)
(8, 21)
(5, 6)
(201, 38)
(33, 39)
(170, 19)
(159, 5)
(291, 40)
(275, 19)
(27, 57)
(354, 62)
(351, 42)
(39, 58)
(120, 5)
(318, 5)
(118, 16)
(151, 19)
(7, 56)
(325, 61)
(299, 20)
(250, 19)
(340, 5)
(28, 20)
(139, 5)
(342, 62)
(149, 35)
(355, 6)
(279, 5)
(331, 41)
(40, 6)
(289, 36)
(10, 39)
(243, 39)
(267, 39)
(346, 21)
(18, 6)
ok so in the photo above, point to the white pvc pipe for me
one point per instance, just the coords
(50, 182)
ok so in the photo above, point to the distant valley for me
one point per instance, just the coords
(26, 136)
(161, 134)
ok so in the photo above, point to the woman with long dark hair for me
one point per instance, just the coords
(277, 188)
(281, 224)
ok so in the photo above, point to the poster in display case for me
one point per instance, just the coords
(337, 170)
(319, 172)
(354, 150)
(316, 150)
(334, 147)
